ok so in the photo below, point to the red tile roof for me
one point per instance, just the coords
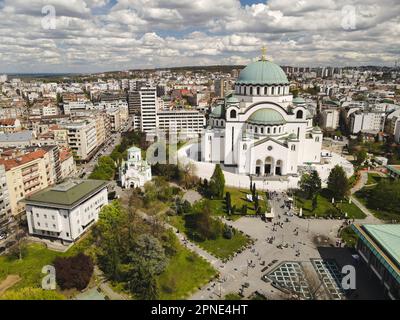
(18, 161)
(7, 122)
(65, 154)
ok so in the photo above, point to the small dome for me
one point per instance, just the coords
(299, 100)
(232, 100)
(262, 72)
(266, 116)
(217, 112)
(316, 129)
(292, 136)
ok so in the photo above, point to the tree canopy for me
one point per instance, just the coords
(338, 184)
(310, 184)
(217, 183)
(385, 196)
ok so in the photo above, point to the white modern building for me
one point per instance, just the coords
(148, 109)
(134, 172)
(152, 116)
(66, 211)
(330, 118)
(373, 121)
(82, 138)
(184, 121)
(258, 130)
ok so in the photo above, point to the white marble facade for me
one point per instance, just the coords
(259, 130)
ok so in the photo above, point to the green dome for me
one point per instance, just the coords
(292, 136)
(299, 100)
(262, 72)
(266, 116)
(232, 99)
(218, 111)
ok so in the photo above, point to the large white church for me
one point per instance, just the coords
(260, 130)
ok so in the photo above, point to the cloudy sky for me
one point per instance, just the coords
(102, 35)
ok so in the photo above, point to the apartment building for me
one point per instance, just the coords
(148, 109)
(367, 121)
(27, 172)
(134, 102)
(183, 121)
(10, 125)
(67, 164)
(330, 118)
(82, 138)
(5, 207)
(115, 119)
(66, 211)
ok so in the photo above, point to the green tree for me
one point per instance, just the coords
(142, 283)
(385, 196)
(217, 183)
(338, 184)
(310, 184)
(361, 156)
(228, 202)
(314, 202)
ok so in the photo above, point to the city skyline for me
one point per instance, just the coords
(107, 35)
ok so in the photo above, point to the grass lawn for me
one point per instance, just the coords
(362, 196)
(224, 248)
(30, 267)
(374, 178)
(233, 296)
(238, 198)
(185, 273)
(220, 247)
(35, 258)
(324, 203)
(352, 210)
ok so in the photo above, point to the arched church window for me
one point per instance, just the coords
(258, 91)
(299, 114)
(233, 114)
(268, 130)
(275, 130)
(256, 129)
(245, 147)
(273, 90)
(317, 139)
(251, 91)
(265, 90)
(262, 130)
(293, 147)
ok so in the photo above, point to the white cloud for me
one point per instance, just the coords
(146, 33)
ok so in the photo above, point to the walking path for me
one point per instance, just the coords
(105, 287)
(186, 243)
(361, 183)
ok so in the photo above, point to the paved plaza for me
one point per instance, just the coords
(287, 240)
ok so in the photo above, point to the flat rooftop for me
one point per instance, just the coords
(67, 194)
(388, 238)
(393, 168)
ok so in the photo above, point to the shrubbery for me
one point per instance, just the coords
(74, 272)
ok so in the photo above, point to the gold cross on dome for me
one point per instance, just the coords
(263, 53)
